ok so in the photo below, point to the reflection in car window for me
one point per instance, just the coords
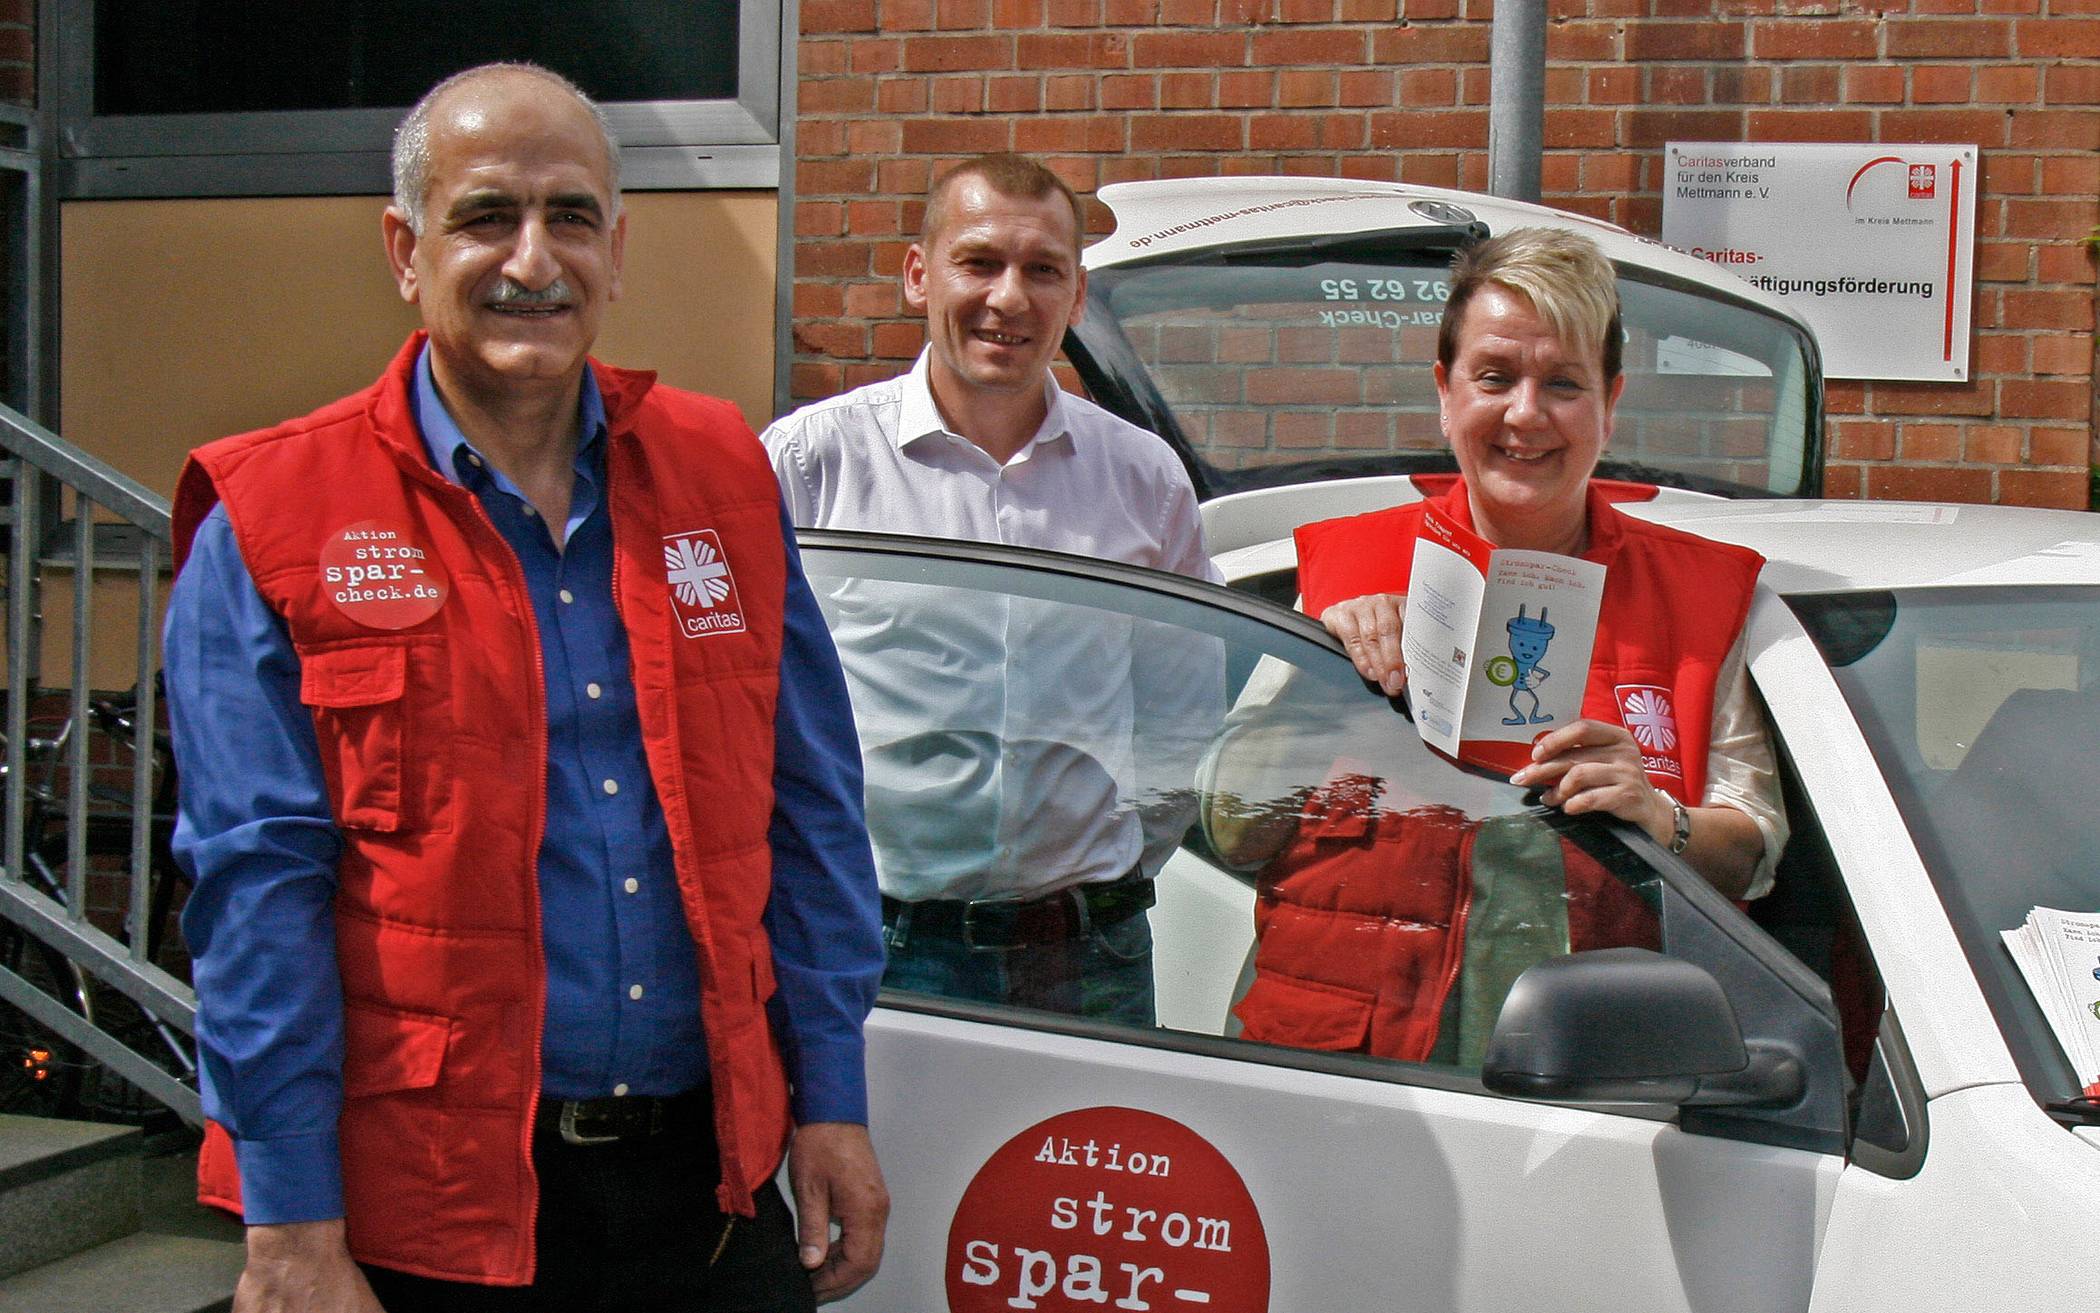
(1317, 878)
(1982, 708)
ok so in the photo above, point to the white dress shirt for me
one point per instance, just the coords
(1014, 745)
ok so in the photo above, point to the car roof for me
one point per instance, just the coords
(1828, 546)
(1176, 215)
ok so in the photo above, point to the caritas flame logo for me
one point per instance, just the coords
(1922, 180)
(703, 591)
(1651, 717)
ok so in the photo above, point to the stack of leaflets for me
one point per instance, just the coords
(2059, 953)
(1497, 642)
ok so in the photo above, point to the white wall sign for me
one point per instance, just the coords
(1873, 245)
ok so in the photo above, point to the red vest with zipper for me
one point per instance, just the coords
(422, 732)
(1361, 919)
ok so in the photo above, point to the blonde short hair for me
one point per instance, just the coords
(1564, 276)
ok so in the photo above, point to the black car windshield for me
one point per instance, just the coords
(1982, 706)
(1275, 367)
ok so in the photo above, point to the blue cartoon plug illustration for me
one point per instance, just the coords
(1520, 671)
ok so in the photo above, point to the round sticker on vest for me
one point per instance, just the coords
(1107, 1208)
(378, 576)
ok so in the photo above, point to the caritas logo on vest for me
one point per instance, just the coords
(1650, 716)
(703, 591)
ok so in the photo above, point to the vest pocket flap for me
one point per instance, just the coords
(363, 676)
(1304, 1015)
(387, 1049)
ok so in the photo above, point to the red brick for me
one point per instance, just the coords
(1075, 91)
(838, 16)
(1013, 95)
(1685, 40)
(1425, 87)
(2060, 312)
(834, 177)
(1863, 439)
(907, 16)
(1559, 173)
(1363, 88)
(835, 339)
(821, 138)
(875, 57)
(817, 59)
(2068, 174)
(899, 340)
(1369, 11)
(2067, 489)
(1373, 168)
(2010, 175)
(2058, 38)
(1872, 84)
(2044, 399)
(2064, 263)
(1246, 89)
(16, 44)
(1073, 13)
(1810, 125)
(1613, 86)
(1982, 127)
(1129, 13)
(957, 136)
(1576, 128)
(1946, 38)
(1417, 11)
(1282, 132)
(1939, 84)
(1654, 127)
(1845, 481)
(1942, 483)
(1669, 85)
(1090, 50)
(881, 300)
(1186, 132)
(2001, 85)
(1970, 398)
(1306, 89)
(1611, 172)
(1991, 444)
(959, 54)
(1930, 442)
(819, 301)
(1460, 128)
(1189, 13)
(17, 11)
(831, 259)
(1188, 50)
(2072, 84)
(2055, 129)
(1015, 15)
(908, 177)
(957, 95)
(1187, 91)
(1850, 38)
(1577, 42)
(1999, 353)
(1305, 11)
(2070, 353)
(2051, 446)
(1737, 85)
(1464, 43)
(1328, 46)
(1564, 86)
(2059, 219)
(901, 95)
(1130, 91)
(1430, 170)
(813, 382)
(820, 219)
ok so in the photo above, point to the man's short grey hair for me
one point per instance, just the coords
(412, 138)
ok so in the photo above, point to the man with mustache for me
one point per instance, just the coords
(535, 916)
(1028, 764)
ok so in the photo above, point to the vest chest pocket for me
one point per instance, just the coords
(358, 697)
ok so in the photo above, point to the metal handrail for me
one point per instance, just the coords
(47, 473)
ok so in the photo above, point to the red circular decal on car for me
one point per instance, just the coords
(1107, 1208)
(378, 576)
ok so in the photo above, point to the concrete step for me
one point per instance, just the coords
(142, 1273)
(64, 1187)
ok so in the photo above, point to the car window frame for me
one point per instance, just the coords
(1700, 910)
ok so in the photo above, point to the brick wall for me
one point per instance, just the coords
(1109, 90)
(18, 51)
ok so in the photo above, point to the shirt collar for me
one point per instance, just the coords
(919, 418)
(448, 448)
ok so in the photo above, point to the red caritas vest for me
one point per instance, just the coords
(1362, 918)
(421, 667)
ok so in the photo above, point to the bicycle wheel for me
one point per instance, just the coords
(41, 1074)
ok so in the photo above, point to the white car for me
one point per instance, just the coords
(1841, 1097)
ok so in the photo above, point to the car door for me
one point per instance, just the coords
(1309, 1126)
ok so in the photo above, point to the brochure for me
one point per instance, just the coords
(2059, 954)
(1497, 642)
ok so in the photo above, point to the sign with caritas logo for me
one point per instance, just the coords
(1872, 245)
(1107, 1208)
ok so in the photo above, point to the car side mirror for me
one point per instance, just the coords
(1626, 1025)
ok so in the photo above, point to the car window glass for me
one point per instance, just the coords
(1317, 879)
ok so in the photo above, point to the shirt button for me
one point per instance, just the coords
(621, 1089)
(634, 991)
(633, 885)
(474, 460)
(592, 691)
(612, 786)
(530, 510)
(567, 596)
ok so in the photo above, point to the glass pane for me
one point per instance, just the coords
(245, 56)
(1982, 708)
(1317, 878)
(1284, 368)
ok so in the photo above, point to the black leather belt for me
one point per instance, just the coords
(999, 923)
(610, 1121)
